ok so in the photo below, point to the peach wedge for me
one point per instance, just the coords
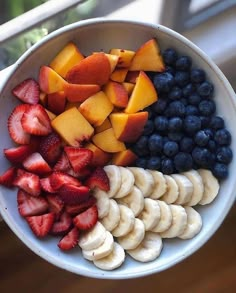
(50, 81)
(100, 158)
(117, 94)
(124, 158)
(80, 92)
(125, 57)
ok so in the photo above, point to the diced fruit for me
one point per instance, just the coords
(92, 112)
(50, 114)
(35, 163)
(132, 76)
(128, 86)
(125, 57)
(107, 141)
(41, 225)
(18, 154)
(49, 81)
(128, 127)
(105, 125)
(57, 179)
(119, 74)
(113, 59)
(27, 91)
(62, 164)
(8, 177)
(56, 205)
(45, 184)
(43, 98)
(70, 240)
(87, 219)
(148, 58)
(117, 94)
(79, 158)
(27, 181)
(70, 105)
(80, 92)
(81, 174)
(100, 158)
(124, 158)
(75, 209)
(50, 148)
(72, 127)
(143, 95)
(99, 179)
(71, 194)
(63, 225)
(56, 102)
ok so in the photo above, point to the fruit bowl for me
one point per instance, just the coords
(95, 35)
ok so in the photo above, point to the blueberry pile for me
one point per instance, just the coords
(183, 131)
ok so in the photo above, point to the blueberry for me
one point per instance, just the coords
(191, 110)
(183, 63)
(194, 99)
(186, 144)
(184, 101)
(148, 127)
(170, 148)
(175, 124)
(141, 163)
(203, 157)
(220, 171)
(205, 89)
(155, 143)
(175, 93)
(217, 122)
(209, 132)
(224, 155)
(142, 142)
(150, 111)
(188, 90)
(183, 162)
(159, 106)
(222, 137)
(205, 121)
(167, 166)
(175, 135)
(170, 69)
(207, 107)
(197, 75)
(170, 56)
(192, 124)
(163, 82)
(154, 163)
(211, 145)
(165, 139)
(140, 152)
(182, 78)
(161, 123)
(175, 109)
(201, 138)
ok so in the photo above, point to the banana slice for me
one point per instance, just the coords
(113, 260)
(127, 183)
(166, 218)
(102, 251)
(194, 224)
(93, 238)
(198, 187)
(211, 186)
(113, 173)
(126, 223)
(134, 200)
(103, 202)
(134, 237)
(149, 249)
(143, 180)
(150, 215)
(172, 192)
(179, 222)
(185, 188)
(160, 185)
(112, 219)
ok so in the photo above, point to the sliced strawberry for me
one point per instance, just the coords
(16, 131)
(98, 179)
(70, 240)
(35, 142)
(63, 225)
(50, 148)
(79, 157)
(62, 164)
(8, 177)
(46, 185)
(41, 225)
(75, 209)
(29, 205)
(87, 219)
(57, 179)
(28, 182)
(17, 155)
(35, 120)
(35, 163)
(56, 205)
(27, 91)
(72, 194)
(81, 174)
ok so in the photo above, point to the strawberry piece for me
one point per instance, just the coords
(70, 240)
(46, 185)
(35, 120)
(81, 174)
(16, 131)
(29, 205)
(27, 181)
(56, 205)
(18, 154)
(79, 157)
(27, 91)
(63, 225)
(63, 163)
(8, 177)
(57, 179)
(50, 148)
(76, 209)
(35, 163)
(98, 179)
(72, 194)
(41, 225)
(87, 219)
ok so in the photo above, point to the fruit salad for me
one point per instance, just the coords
(114, 150)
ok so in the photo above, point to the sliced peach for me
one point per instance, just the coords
(119, 74)
(50, 81)
(132, 76)
(107, 141)
(50, 114)
(125, 57)
(100, 158)
(43, 99)
(124, 158)
(113, 59)
(128, 86)
(148, 58)
(80, 92)
(70, 105)
(56, 102)
(105, 125)
(143, 95)
(116, 93)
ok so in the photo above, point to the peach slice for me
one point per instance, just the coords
(124, 158)
(56, 102)
(80, 92)
(70, 105)
(107, 141)
(119, 74)
(132, 76)
(50, 115)
(128, 86)
(144, 94)
(100, 158)
(117, 94)
(72, 127)
(68, 57)
(113, 59)
(128, 127)
(125, 57)
(96, 108)
(104, 126)
(43, 99)
(50, 81)
(148, 58)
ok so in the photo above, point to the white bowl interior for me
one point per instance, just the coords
(94, 35)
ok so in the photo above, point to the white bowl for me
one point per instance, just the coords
(100, 34)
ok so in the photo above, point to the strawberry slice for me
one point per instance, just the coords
(50, 148)
(35, 120)
(98, 179)
(62, 164)
(41, 225)
(72, 194)
(81, 174)
(57, 179)
(76, 209)
(79, 157)
(27, 91)
(35, 163)
(18, 154)
(56, 205)
(29, 205)
(16, 131)
(8, 177)
(46, 185)
(70, 240)
(87, 219)
(63, 225)
(27, 181)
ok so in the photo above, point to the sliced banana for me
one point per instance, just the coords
(113, 260)
(143, 180)
(149, 249)
(103, 250)
(112, 219)
(93, 238)
(198, 187)
(166, 218)
(160, 185)
(194, 224)
(113, 173)
(211, 186)
(185, 188)
(179, 222)
(134, 237)
(150, 214)
(127, 183)
(172, 192)
(126, 223)
(103, 202)
(134, 200)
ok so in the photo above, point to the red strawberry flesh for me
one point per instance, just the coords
(35, 163)
(57, 179)
(18, 154)
(56, 205)
(28, 182)
(8, 177)
(79, 157)
(98, 179)
(41, 225)
(63, 225)
(27, 91)
(50, 148)
(72, 194)
(70, 240)
(87, 219)
(75, 209)
(46, 185)
(62, 164)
